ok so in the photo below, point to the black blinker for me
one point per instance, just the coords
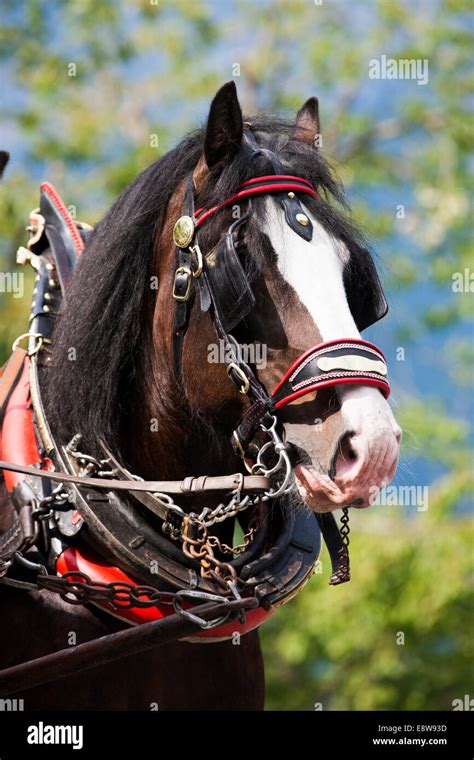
(232, 293)
(364, 290)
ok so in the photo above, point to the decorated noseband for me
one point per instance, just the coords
(334, 363)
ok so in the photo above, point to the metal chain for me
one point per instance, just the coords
(343, 572)
(208, 517)
(239, 549)
(43, 511)
(198, 545)
(345, 527)
(89, 466)
(76, 587)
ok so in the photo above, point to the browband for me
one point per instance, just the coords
(273, 183)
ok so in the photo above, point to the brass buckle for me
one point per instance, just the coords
(244, 388)
(200, 264)
(188, 272)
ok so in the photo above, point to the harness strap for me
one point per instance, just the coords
(190, 485)
(10, 375)
(183, 292)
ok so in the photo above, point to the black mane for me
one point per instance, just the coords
(108, 300)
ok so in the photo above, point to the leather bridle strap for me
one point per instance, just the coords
(190, 485)
(185, 238)
(183, 292)
(272, 183)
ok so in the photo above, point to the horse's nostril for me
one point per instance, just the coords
(344, 457)
(345, 448)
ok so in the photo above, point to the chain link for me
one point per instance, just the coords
(239, 549)
(43, 510)
(76, 587)
(343, 572)
(345, 528)
(198, 545)
(47, 506)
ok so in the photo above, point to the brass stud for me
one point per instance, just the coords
(302, 219)
(183, 231)
(291, 195)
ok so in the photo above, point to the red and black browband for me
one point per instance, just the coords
(272, 183)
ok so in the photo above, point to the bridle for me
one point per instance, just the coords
(89, 488)
(227, 294)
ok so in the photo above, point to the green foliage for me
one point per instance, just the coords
(338, 646)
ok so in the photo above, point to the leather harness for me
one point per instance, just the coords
(90, 536)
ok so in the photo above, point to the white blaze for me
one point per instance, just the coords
(314, 270)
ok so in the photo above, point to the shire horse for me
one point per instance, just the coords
(131, 370)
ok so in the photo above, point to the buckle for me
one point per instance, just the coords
(244, 388)
(188, 273)
(200, 264)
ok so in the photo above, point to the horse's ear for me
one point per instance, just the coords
(4, 156)
(307, 127)
(224, 126)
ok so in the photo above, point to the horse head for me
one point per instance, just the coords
(234, 239)
(308, 289)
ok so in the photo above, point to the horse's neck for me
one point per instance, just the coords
(169, 443)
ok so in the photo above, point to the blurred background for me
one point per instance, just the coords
(95, 90)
